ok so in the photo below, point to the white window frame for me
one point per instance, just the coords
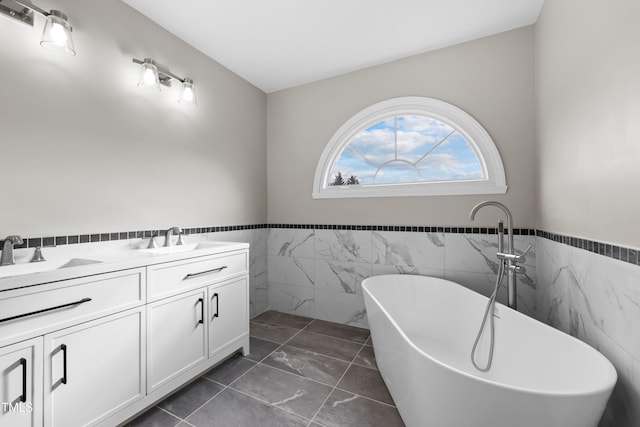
(472, 131)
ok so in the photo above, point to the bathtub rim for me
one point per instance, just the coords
(609, 385)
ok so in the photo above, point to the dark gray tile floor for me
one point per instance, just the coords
(301, 372)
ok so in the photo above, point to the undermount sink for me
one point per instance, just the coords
(182, 248)
(38, 267)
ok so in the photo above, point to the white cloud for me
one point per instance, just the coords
(416, 135)
(445, 166)
(422, 124)
(379, 145)
(410, 141)
(440, 160)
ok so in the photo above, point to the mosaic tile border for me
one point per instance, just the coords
(32, 242)
(621, 253)
(407, 228)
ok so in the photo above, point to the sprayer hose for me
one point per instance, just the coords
(488, 313)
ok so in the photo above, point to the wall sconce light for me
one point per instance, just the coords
(56, 35)
(153, 76)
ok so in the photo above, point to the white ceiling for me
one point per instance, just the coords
(277, 44)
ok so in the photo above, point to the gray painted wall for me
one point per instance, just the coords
(588, 91)
(84, 149)
(490, 78)
(588, 105)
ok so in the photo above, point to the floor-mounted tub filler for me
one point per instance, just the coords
(423, 329)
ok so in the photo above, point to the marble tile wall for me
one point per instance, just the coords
(258, 277)
(318, 272)
(596, 299)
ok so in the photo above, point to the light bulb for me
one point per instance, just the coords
(187, 93)
(58, 35)
(187, 96)
(149, 77)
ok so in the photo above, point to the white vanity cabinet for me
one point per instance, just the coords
(94, 369)
(98, 348)
(228, 313)
(21, 384)
(88, 332)
(176, 337)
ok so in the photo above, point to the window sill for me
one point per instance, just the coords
(411, 190)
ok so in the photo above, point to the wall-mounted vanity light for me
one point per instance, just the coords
(56, 35)
(153, 76)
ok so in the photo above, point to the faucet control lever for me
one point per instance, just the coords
(517, 269)
(514, 257)
(524, 254)
(180, 239)
(152, 243)
(508, 257)
(37, 255)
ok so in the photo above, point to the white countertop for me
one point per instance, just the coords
(86, 259)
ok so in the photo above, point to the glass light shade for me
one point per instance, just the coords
(149, 75)
(187, 93)
(56, 35)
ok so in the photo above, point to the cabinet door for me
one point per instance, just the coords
(94, 369)
(21, 384)
(228, 313)
(176, 336)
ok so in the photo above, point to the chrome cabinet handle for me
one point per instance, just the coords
(215, 270)
(33, 313)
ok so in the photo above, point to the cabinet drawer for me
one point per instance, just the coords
(37, 310)
(174, 277)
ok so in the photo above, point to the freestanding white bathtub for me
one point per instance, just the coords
(423, 329)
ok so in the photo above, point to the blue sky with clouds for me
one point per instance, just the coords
(408, 149)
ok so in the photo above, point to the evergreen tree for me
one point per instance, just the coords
(338, 180)
(353, 180)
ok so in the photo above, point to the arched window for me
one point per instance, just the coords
(409, 146)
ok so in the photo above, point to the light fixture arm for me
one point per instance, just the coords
(56, 35)
(27, 4)
(165, 76)
(152, 76)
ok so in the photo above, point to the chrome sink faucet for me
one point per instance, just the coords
(510, 256)
(7, 249)
(169, 233)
